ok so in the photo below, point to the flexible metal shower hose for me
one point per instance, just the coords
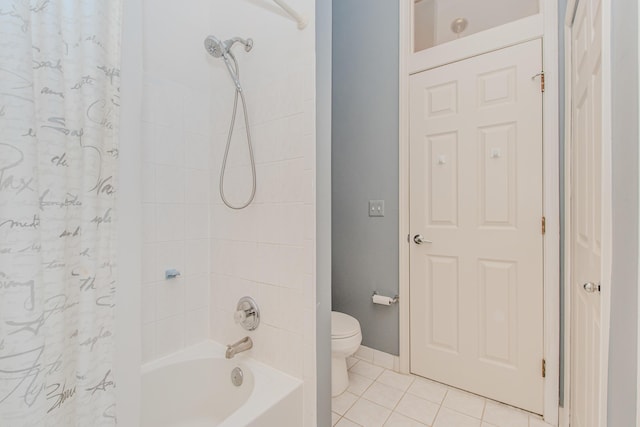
(240, 93)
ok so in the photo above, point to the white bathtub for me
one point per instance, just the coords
(192, 388)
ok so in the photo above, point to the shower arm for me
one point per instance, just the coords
(301, 20)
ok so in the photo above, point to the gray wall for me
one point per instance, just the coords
(624, 310)
(365, 165)
(323, 212)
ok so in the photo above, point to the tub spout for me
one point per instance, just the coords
(243, 345)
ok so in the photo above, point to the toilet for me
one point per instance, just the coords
(345, 340)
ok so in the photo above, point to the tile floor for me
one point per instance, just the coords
(379, 397)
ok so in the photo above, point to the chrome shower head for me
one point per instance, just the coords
(222, 49)
(214, 46)
(217, 48)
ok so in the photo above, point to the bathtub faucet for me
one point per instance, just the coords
(243, 345)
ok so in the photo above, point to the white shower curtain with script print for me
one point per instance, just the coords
(59, 104)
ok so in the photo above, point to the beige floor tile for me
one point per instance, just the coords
(367, 369)
(351, 361)
(368, 414)
(346, 423)
(396, 380)
(358, 384)
(449, 418)
(465, 403)
(399, 420)
(341, 404)
(418, 409)
(383, 395)
(335, 418)
(427, 389)
(536, 421)
(505, 416)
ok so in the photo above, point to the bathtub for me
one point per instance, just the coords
(193, 388)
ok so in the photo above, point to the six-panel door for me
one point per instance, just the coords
(476, 291)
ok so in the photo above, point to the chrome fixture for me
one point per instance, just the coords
(419, 240)
(218, 48)
(172, 273)
(247, 313)
(392, 301)
(238, 347)
(222, 49)
(237, 377)
(591, 287)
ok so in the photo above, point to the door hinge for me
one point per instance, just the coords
(541, 75)
(544, 225)
(544, 368)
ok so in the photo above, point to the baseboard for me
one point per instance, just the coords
(378, 358)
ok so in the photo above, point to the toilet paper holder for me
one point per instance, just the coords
(393, 300)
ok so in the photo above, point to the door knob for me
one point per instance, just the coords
(418, 239)
(591, 287)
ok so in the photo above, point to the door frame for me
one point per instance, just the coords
(545, 26)
(638, 284)
(606, 227)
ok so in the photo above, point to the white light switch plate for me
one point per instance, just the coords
(376, 207)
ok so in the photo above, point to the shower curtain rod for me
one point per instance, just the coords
(301, 20)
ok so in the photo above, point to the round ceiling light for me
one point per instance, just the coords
(459, 25)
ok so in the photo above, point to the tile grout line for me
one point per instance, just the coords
(368, 387)
(405, 393)
(484, 409)
(358, 396)
(393, 410)
(363, 392)
(440, 407)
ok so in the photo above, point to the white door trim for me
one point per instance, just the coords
(405, 37)
(638, 338)
(606, 209)
(411, 62)
(565, 412)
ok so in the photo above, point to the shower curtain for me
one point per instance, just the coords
(59, 102)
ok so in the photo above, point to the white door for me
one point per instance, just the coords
(586, 207)
(476, 282)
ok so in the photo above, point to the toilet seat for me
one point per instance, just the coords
(343, 326)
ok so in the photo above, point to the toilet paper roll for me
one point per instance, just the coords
(382, 300)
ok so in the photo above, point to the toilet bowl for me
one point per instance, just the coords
(345, 340)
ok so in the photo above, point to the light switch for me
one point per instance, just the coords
(376, 207)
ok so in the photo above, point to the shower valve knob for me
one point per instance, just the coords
(240, 316)
(247, 314)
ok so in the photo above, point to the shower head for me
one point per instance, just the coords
(217, 48)
(222, 49)
(214, 46)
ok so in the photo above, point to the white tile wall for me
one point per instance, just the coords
(266, 251)
(175, 209)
